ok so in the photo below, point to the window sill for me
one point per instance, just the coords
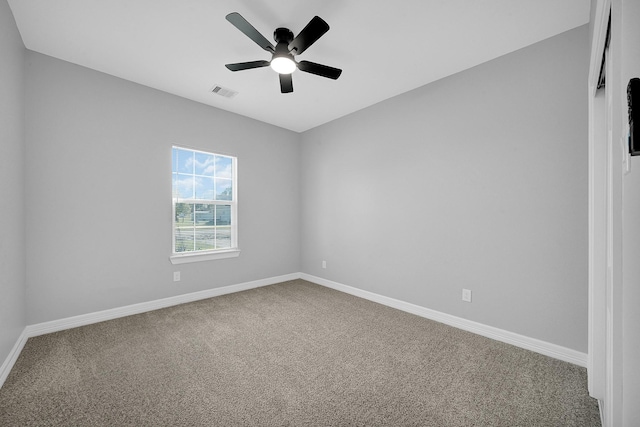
(208, 256)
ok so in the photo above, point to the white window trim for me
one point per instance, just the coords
(197, 256)
(204, 256)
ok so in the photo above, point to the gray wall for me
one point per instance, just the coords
(476, 181)
(98, 192)
(12, 248)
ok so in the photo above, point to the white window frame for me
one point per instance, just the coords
(213, 254)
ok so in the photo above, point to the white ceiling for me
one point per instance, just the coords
(383, 47)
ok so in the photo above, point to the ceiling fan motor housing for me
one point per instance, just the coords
(282, 50)
(283, 35)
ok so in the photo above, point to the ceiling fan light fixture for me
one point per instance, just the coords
(283, 65)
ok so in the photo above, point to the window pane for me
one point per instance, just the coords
(183, 161)
(184, 240)
(184, 227)
(224, 189)
(183, 186)
(174, 160)
(223, 237)
(174, 180)
(204, 188)
(204, 164)
(224, 167)
(223, 215)
(204, 214)
(184, 214)
(205, 238)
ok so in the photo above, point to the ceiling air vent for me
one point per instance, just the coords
(222, 91)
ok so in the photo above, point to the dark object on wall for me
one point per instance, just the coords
(633, 99)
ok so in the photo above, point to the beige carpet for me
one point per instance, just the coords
(291, 354)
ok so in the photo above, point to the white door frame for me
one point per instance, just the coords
(598, 196)
(597, 242)
(606, 153)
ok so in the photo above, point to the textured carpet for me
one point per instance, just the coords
(291, 354)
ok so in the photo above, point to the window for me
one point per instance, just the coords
(204, 205)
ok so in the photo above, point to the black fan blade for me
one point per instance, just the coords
(319, 69)
(286, 83)
(243, 25)
(308, 36)
(247, 65)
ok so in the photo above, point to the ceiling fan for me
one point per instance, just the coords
(282, 59)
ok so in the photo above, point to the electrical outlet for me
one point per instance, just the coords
(466, 295)
(324, 264)
(176, 276)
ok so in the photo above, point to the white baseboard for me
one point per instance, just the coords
(538, 346)
(128, 310)
(12, 357)
(542, 347)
